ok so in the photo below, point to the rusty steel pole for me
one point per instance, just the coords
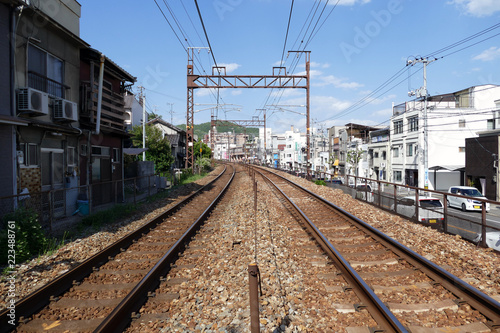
(253, 279)
(308, 111)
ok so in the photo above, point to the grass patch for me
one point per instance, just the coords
(99, 219)
(320, 182)
(187, 176)
(27, 238)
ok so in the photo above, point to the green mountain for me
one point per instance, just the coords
(202, 129)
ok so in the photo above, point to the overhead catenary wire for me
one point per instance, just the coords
(198, 64)
(205, 32)
(350, 109)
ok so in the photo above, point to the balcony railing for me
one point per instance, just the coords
(45, 84)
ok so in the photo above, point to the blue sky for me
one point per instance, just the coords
(361, 45)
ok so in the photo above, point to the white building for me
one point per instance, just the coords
(450, 119)
(379, 157)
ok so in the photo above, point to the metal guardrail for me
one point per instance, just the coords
(388, 196)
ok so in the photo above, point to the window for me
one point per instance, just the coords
(490, 124)
(397, 176)
(461, 123)
(45, 72)
(395, 152)
(413, 124)
(398, 127)
(71, 156)
(375, 155)
(461, 149)
(52, 167)
(289, 155)
(116, 155)
(30, 153)
(384, 155)
(409, 149)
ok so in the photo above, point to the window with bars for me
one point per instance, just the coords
(45, 72)
(413, 124)
(398, 127)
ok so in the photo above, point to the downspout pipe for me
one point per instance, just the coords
(99, 96)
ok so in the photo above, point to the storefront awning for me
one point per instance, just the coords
(448, 167)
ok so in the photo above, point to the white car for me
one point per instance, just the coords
(492, 239)
(466, 204)
(430, 209)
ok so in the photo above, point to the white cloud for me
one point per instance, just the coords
(318, 64)
(230, 67)
(337, 82)
(477, 8)
(386, 113)
(351, 2)
(488, 55)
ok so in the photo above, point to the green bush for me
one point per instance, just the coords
(186, 173)
(30, 239)
(320, 182)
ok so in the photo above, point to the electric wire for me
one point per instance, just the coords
(433, 54)
(205, 31)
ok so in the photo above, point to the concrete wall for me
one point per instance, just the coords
(66, 12)
(45, 36)
(4, 60)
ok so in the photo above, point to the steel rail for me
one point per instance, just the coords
(120, 317)
(377, 309)
(38, 299)
(478, 300)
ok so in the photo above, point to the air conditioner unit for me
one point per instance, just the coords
(65, 110)
(33, 101)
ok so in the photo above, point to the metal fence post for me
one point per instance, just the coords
(483, 224)
(395, 198)
(51, 209)
(253, 279)
(379, 185)
(445, 220)
(90, 199)
(417, 206)
(135, 188)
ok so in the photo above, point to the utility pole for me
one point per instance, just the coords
(265, 136)
(308, 111)
(143, 99)
(171, 113)
(423, 182)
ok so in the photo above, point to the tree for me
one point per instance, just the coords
(205, 150)
(159, 150)
(153, 115)
(353, 158)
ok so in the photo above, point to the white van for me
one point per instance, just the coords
(430, 210)
(466, 203)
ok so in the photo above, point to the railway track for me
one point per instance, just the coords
(103, 293)
(396, 289)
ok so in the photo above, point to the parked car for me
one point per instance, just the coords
(465, 203)
(492, 239)
(337, 181)
(430, 210)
